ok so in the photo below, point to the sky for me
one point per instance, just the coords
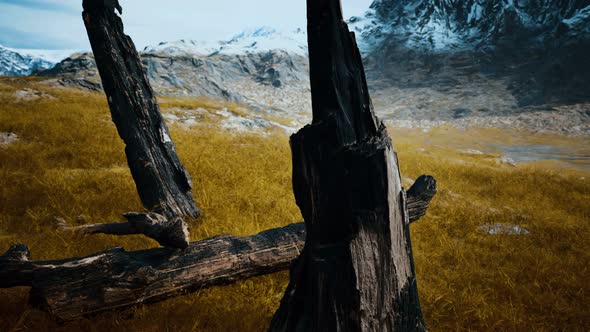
(57, 24)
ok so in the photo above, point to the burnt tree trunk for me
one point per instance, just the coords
(163, 184)
(113, 279)
(356, 271)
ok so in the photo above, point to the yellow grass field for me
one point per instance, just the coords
(69, 162)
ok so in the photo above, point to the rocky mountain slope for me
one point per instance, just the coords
(451, 59)
(451, 25)
(13, 63)
(514, 61)
(21, 62)
(262, 68)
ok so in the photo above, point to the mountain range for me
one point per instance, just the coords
(452, 25)
(23, 62)
(425, 60)
(536, 49)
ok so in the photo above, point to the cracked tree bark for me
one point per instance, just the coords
(114, 279)
(163, 184)
(356, 271)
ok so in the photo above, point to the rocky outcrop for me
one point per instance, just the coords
(78, 70)
(274, 79)
(7, 138)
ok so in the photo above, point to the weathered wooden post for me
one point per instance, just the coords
(356, 271)
(163, 184)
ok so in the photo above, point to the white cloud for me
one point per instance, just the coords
(151, 21)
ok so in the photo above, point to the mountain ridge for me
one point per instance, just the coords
(23, 62)
(252, 40)
(447, 25)
(443, 60)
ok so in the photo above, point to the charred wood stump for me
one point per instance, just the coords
(114, 279)
(163, 184)
(356, 271)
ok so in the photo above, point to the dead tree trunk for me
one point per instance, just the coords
(115, 278)
(73, 287)
(163, 184)
(356, 271)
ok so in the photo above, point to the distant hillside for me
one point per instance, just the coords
(483, 60)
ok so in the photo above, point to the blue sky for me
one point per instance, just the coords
(57, 24)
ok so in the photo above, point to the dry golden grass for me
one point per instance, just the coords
(70, 162)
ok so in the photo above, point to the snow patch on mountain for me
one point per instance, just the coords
(579, 23)
(22, 62)
(256, 40)
(265, 39)
(449, 25)
(182, 47)
(53, 56)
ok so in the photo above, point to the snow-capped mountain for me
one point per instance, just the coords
(261, 67)
(424, 59)
(22, 62)
(255, 40)
(534, 51)
(446, 25)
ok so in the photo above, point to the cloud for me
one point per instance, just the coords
(58, 6)
(58, 23)
(21, 39)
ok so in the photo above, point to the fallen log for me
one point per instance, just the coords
(115, 278)
(356, 270)
(74, 287)
(163, 183)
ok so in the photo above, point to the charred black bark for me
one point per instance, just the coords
(115, 278)
(74, 287)
(163, 184)
(356, 271)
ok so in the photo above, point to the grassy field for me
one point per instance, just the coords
(69, 162)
